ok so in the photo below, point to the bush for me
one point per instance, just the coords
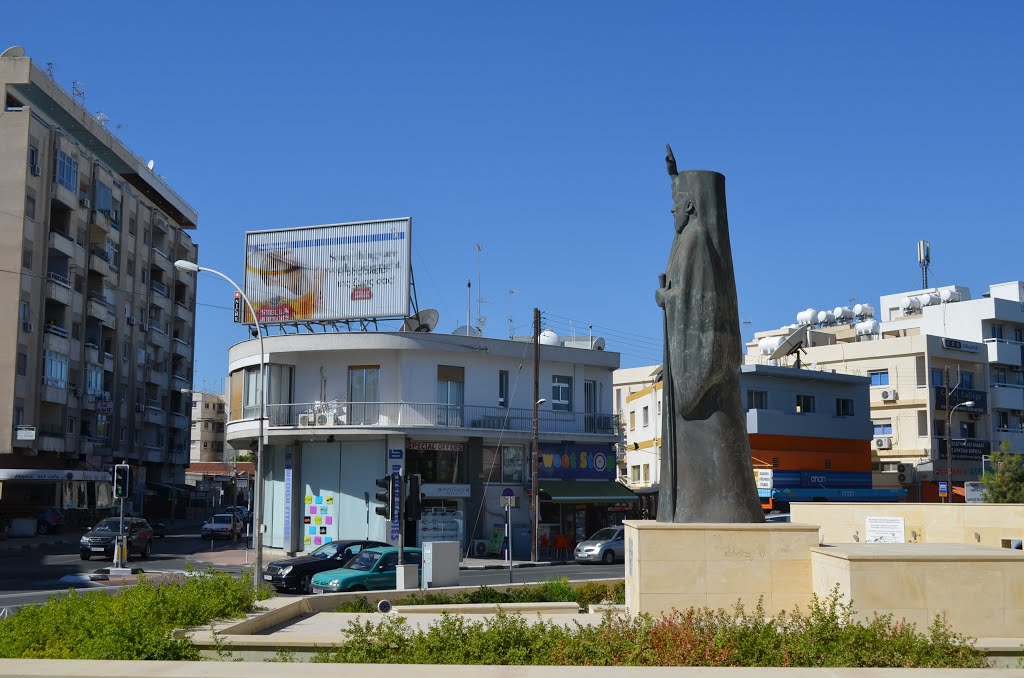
(827, 635)
(135, 623)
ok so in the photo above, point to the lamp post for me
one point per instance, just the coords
(257, 540)
(949, 447)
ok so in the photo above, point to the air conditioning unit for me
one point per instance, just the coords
(140, 408)
(307, 420)
(130, 319)
(78, 393)
(906, 474)
(112, 214)
(890, 395)
(143, 327)
(325, 419)
(26, 326)
(36, 170)
(478, 548)
(883, 443)
(85, 202)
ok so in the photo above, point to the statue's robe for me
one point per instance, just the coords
(706, 470)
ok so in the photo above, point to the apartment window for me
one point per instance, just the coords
(512, 463)
(844, 407)
(937, 379)
(1018, 335)
(363, 394)
(450, 392)
(130, 269)
(757, 400)
(647, 473)
(1003, 420)
(206, 445)
(94, 379)
(634, 473)
(879, 377)
(883, 427)
(804, 404)
(19, 415)
(33, 156)
(646, 416)
(26, 258)
(618, 401)
(967, 429)
(998, 375)
(561, 393)
(132, 225)
(922, 423)
(104, 198)
(55, 369)
(76, 330)
(997, 331)
(24, 311)
(72, 426)
(503, 388)
(140, 355)
(206, 406)
(30, 207)
(967, 380)
(632, 420)
(126, 350)
(22, 364)
(145, 236)
(194, 424)
(206, 426)
(67, 171)
(921, 371)
(121, 434)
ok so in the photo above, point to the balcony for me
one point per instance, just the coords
(180, 347)
(55, 338)
(161, 259)
(58, 288)
(153, 453)
(100, 221)
(180, 378)
(101, 309)
(99, 262)
(961, 395)
(154, 413)
(1014, 439)
(183, 311)
(52, 440)
(159, 297)
(1007, 397)
(156, 374)
(433, 415)
(963, 448)
(63, 243)
(158, 334)
(179, 420)
(1005, 352)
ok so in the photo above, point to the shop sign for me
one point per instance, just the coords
(957, 345)
(435, 446)
(25, 432)
(764, 478)
(104, 407)
(589, 462)
(444, 491)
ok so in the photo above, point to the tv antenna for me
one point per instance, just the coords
(924, 259)
(510, 293)
(480, 319)
(794, 344)
(78, 92)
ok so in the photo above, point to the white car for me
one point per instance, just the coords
(222, 526)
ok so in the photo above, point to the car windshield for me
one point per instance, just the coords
(326, 551)
(604, 535)
(226, 520)
(364, 562)
(108, 525)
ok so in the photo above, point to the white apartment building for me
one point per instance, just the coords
(345, 409)
(905, 352)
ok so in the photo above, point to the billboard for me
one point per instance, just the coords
(328, 273)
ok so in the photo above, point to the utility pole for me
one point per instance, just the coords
(534, 447)
(949, 442)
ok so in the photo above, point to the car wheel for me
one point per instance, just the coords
(148, 551)
(306, 584)
(357, 587)
(608, 558)
(85, 556)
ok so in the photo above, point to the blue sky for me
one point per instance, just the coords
(846, 131)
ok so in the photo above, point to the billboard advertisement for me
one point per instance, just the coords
(329, 273)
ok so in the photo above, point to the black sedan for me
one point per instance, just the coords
(295, 574)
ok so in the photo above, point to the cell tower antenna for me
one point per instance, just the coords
(924, 259)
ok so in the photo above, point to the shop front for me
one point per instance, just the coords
(579, 493)
(441, 466)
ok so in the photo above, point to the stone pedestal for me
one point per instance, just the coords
(682, 565)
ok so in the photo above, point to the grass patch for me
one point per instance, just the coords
(135, 623)
(826, 635)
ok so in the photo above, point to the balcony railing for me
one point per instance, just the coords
(434, 415)
(158, 287)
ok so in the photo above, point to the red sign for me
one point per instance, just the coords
(275, 314)
(362, 293)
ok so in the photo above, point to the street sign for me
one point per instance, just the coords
(973, 492)
(507, 492)
(943, 489)
(25, 432)
(764, 477)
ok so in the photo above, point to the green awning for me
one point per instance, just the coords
(585, 491)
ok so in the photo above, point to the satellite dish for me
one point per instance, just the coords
(15, 52)
(150, 165)
(464, 331)
(424, 321)
(794, 343)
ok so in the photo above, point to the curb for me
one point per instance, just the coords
(515, 566)
(29, 546)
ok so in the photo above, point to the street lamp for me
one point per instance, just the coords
(535, 455)
(257, 541)
(949, 447)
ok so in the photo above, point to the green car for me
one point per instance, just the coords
(372, 569)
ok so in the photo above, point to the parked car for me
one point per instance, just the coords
(159, 529)
(222, 526)
(604, 546)
(50, 520)
(296, 574)
(99, 541)
(241, 512)
(372, 569)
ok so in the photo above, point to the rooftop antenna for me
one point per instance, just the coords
(102, 117)
(469, 305)
(924, 259)
(480, 319)
(49, 69)
(510, 293)
(78, 92)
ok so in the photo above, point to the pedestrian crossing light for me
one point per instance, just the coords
(414, 498)
(121, 475)
(385, 497)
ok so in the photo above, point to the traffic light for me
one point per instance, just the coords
(121, 475)
(906, 474)
(413, 504)
(385, 498)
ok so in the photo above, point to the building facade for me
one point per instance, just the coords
(809, 431)
(209, 418)
(345, 409)
(918, 338)
(92, 369)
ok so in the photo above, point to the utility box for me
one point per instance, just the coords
(440, 564)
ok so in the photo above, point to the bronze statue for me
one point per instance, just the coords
(706, 470)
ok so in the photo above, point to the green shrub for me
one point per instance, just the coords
(618, 593)
(827, 635)
(360, 604)
(135, 623)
